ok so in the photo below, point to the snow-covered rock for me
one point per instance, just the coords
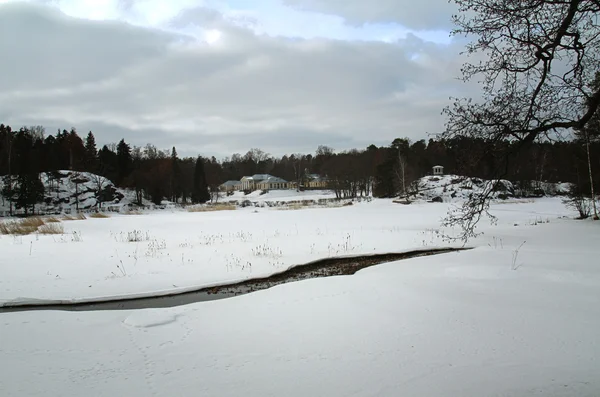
(446, 188)
(66, 191)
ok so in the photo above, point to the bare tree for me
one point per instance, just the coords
(400, 171)
(77, 178)
(100, 183)
(589, 161)
(540, 56)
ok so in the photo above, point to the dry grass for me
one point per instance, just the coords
(99, 215)
(76, 217)
(51, 228)
(293, 207)
(34, 221)
(211, 208)
(51, 219)
(23, 226)
(16, 228)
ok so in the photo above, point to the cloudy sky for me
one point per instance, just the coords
(215, 77)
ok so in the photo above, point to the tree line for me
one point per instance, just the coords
(383, 171)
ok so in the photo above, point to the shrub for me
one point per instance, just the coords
(578, 202)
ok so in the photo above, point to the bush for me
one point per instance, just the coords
(577, 201)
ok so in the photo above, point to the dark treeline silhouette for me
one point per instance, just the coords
(382, 171)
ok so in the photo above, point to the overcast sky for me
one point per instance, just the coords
(215, 77)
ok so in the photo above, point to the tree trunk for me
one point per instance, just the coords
(587, 144)
(10, 181)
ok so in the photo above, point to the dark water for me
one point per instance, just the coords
(322, 268)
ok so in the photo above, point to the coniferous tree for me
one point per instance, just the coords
(200, 192)
(107, 163)
(76, 150)
(175, 176)
(91, 153)
(124, 161)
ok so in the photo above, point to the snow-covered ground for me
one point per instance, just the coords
(281, 196)
(493, 321)
(132, 255)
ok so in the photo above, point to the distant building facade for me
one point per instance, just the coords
(438, 170)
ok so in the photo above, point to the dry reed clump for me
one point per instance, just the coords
(16, 228)
(34, 221)
(99, 215)
(51, 219)
(51, 228)
(211, 208)
(31, 225)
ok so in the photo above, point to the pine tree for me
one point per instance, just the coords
(76, 150)
(200, 192)
(384, 177)
(175, 176)
(91, 153)
(26, 192)
(124, 161)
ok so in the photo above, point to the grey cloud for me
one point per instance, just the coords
(248, 91)
(47, 49)
(419, 15)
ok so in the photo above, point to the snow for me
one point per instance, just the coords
(170, 251)
(458, 324)
(455, 188)
(461, 324)
(281, 196)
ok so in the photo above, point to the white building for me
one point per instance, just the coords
(263, 182)
(438, 170)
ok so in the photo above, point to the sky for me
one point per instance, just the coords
(217, 77)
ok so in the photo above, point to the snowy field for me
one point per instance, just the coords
(485, 322)
(166, 251)
(281, 195)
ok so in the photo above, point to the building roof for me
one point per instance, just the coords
(258, 178)
(438, 166)
(316, 178)
(231, 183)
(274, 179)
